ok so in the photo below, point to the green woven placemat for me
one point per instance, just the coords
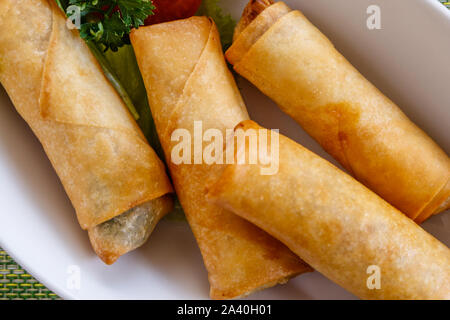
(16, 283)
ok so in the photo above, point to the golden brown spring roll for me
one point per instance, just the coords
(335, 224)
(187, 80)
(292, 62)
(107, 168)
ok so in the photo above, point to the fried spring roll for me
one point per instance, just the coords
(187, 80)
(129, 230)
(292, 62)
(114, 179)
(334, 223)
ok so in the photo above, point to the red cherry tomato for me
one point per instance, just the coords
(168, 10)
(100, 16)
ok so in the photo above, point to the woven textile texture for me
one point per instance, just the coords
(16, 283)
(445, 3)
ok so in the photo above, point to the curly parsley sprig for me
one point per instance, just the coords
(108, 22)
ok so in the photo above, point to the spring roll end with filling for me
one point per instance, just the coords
(129, 230)
(99, 153)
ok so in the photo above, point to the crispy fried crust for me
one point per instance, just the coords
(102, 158)
(335, 224)
(247, 37)
(251, 11)
(293, 63)
(187, 80)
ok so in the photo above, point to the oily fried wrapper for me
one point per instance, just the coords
(128, 231)
(293, 63)
(334, 223)
(99, 153)
(187, 80)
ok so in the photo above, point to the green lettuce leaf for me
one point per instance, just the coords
(225, 23)
(124, 65)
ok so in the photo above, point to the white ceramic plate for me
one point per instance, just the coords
(407, 59)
